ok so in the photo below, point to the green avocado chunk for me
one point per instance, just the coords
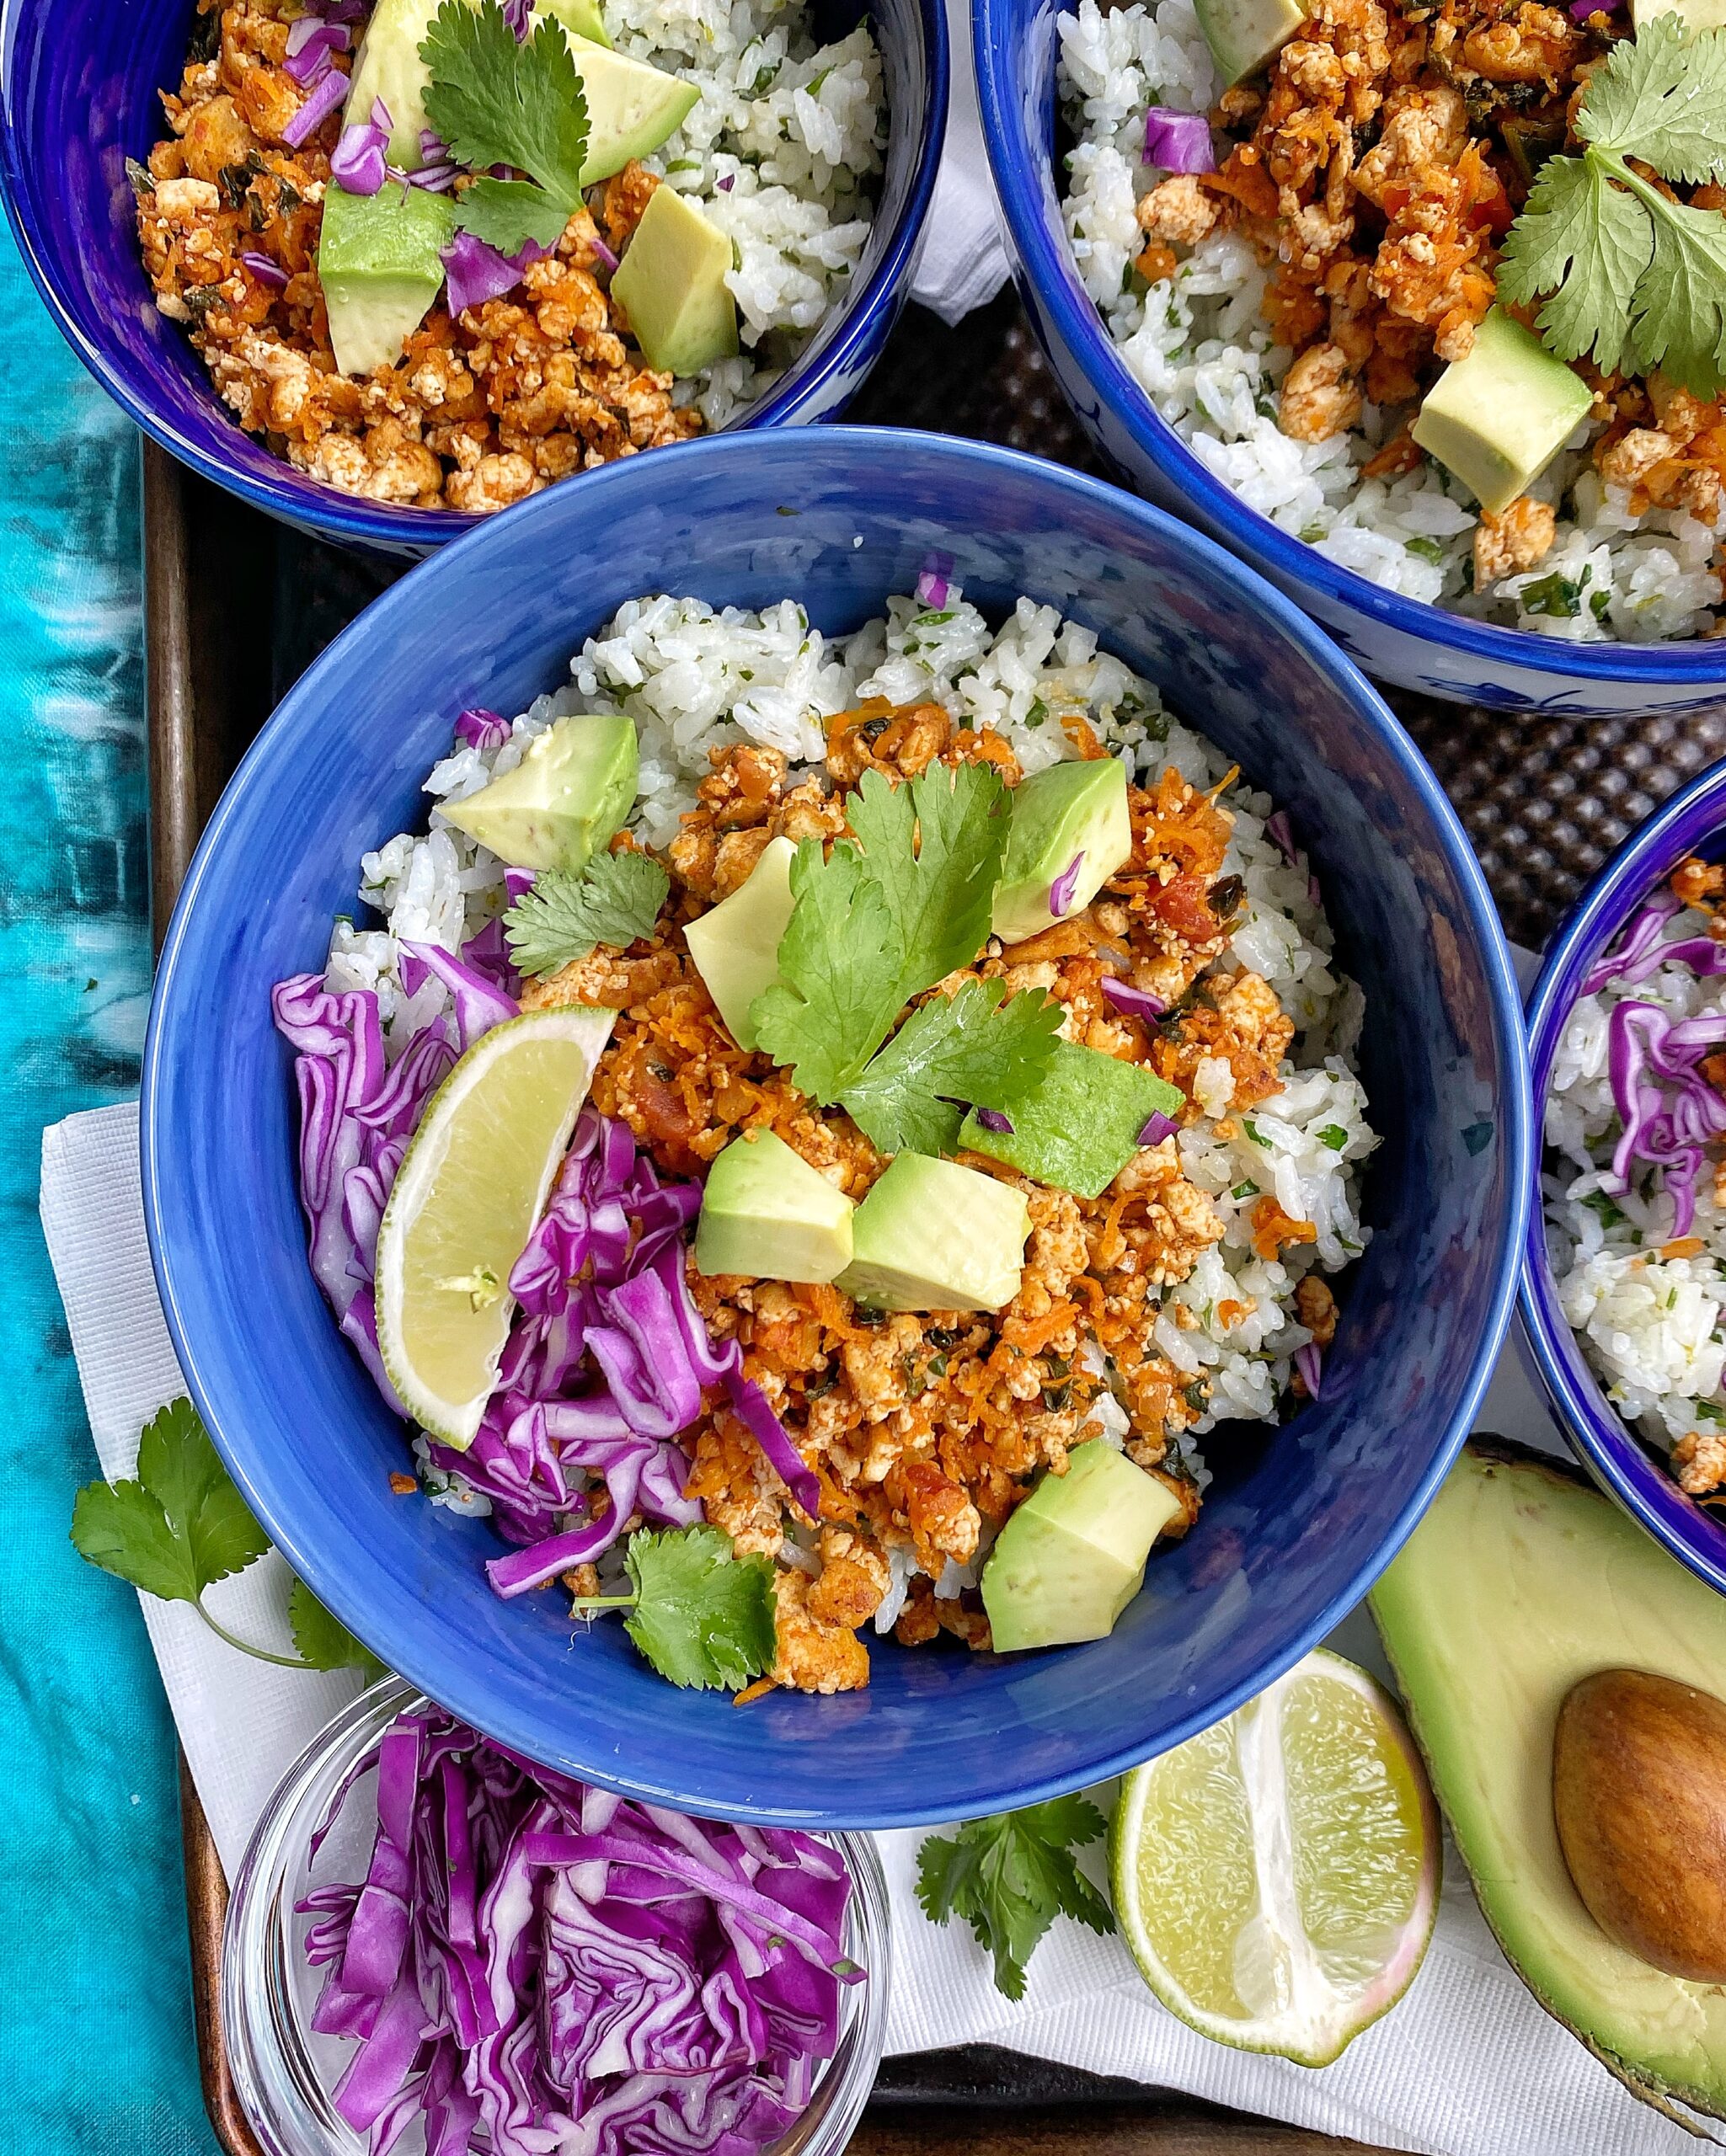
(1244, 34)
(1521, 1580)
(1072, 1556)
(1498, 418)
(672, 286)
(1693, 15)
(631, 107)
(377, 262)
(735, 944)
(1073, 811)
(1080, 1127)
(931, 1235)
(766, 1213)
(565, 799)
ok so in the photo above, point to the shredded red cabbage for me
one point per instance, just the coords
(480, 1003)
(1156, 1127)
(358, 162)
(519, 15)
(1668, 1109)
(1178, 141)
(326, 94)
(1060, 891)
(604, 253)
(1281, 834)
(266, 268)
(1641, 950)
(310, 39)
(993, 1120)
(476, 273)
(1310, 1364)
(476, 727)
(1136, 1002)
(533, 1965)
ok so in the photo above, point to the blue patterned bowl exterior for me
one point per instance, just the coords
(78, 95)
(1691, 822)
(1398, 639)
(1299, 1521)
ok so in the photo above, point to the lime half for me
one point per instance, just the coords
(1276, 1878)
(470, 1191)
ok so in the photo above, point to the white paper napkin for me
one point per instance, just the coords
(964, 258)
(1468, 2065)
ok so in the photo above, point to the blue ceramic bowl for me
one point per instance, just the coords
(1402, 641)
(1301, 1521)
(79, 96)
(1691, 822)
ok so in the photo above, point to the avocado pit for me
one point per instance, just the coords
(1640, 1800)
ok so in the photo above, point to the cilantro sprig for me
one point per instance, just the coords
(701, 1614)
(498, 101)
(178, 1525)
(880, 920)
(615, 899)
(1009, 1877)
(1635, 279)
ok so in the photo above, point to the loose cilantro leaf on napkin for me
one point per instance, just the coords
(960, 1048)
(498, 102)
(324, 1641)
(702, 1615)
(1627, 274)
(616, 899)
(935, 847)
(1009, 1877)
(840, 966)
(179, 1525)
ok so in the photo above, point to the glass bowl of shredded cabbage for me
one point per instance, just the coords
(434, 1944)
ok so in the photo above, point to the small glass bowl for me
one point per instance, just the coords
(284, 2072)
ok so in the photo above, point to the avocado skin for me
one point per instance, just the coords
(1497, 1796)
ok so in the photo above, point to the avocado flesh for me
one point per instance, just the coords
(379, 265)
(1521, 1580)
(1694, 14)
(672, 286)
(565, 799)
(1498, 418)
(631, 107)
(735, 944)
(1080, 1126)
(931, 1235)
(1070, 810)
(765, 1213)
(1072, 1556)
(1244, 35)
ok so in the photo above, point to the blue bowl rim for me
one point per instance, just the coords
(1609, 1448)
(1274, 551)
(447, 1682)
(347, 519)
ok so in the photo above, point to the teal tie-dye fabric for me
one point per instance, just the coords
(96, 2047)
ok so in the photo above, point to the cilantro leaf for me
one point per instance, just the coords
(1587, 243)
(935, 847)
(962, 1047)
(496, 102)
(702, 1615)
(324, 1641)
(1661, 97)
(1009, 1877)
(180, 1525)
(615, 900)
(1679, 309)
(838, 993)
(507, 213)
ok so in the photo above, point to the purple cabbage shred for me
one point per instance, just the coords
(530, 1964)
(475, 273)
(1310, 1363)
(1156, 1128)
(1135, 1002)
(1060, 891)
(266, 268)
(1178, 141)
(482, 729)
(326, 94)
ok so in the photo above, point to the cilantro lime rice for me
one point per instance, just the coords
(866, 1447)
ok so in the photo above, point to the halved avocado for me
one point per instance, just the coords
(1521, 1581)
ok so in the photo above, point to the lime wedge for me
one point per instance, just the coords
(472, 1186)
(1276, 1878)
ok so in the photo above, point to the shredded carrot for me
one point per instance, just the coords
(405, 1485)
(1683, 1246)
(755, 1691)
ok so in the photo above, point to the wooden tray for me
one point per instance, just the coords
(238, 606)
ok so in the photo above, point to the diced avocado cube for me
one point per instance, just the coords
(672, 286)
(735, 944)
(1070, 812)
(1694, 14)
(931, 1235)
(1072, 1556)
(580, 17)
(1498, 418)
(766, 1213)
(1080, 1126)
(379, 266)
(632, 109)
(1244, 35)
(565, 799)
